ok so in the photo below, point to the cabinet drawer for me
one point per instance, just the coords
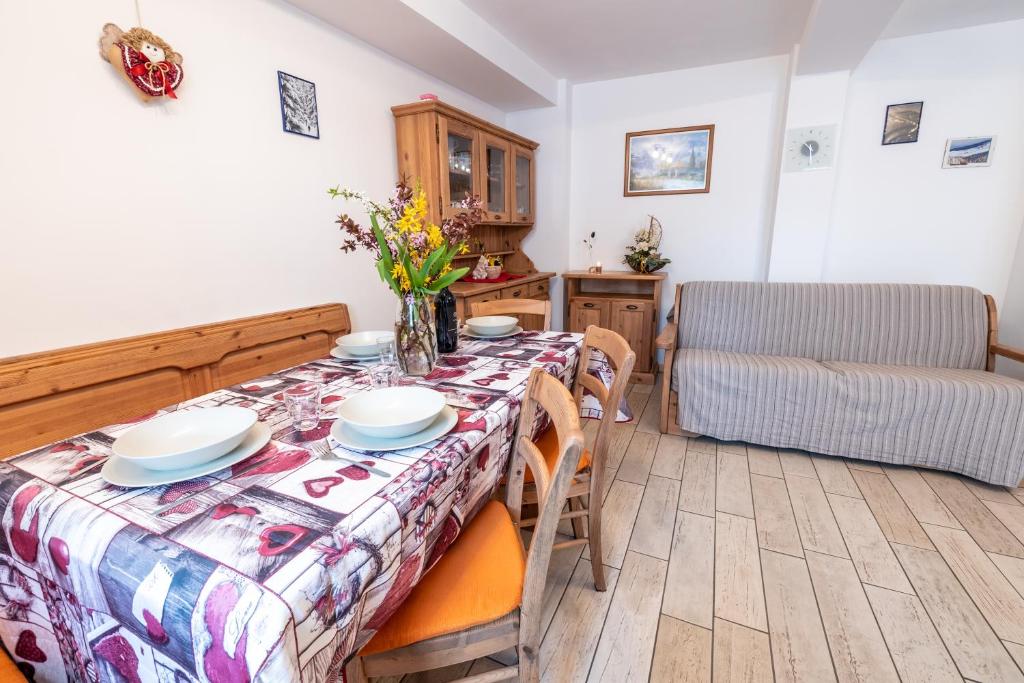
(538, 290)
(584, 312)
(519, 292)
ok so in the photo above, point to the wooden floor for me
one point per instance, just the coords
(729, 562)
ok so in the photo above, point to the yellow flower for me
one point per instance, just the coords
(464, 249)
(434, 237)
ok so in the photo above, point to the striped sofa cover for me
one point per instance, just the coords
(886, 372)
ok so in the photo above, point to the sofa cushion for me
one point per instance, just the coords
(966, 421)
(891, 324)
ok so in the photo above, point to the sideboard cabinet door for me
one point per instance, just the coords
(633, 320)
(584, 312)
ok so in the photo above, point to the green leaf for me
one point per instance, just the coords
(385, 275)
(385, 251)
(414, 275)
(447, 280)
(431, 264)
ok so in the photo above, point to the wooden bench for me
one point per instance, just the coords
(56, 394)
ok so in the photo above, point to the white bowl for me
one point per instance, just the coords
(185, 438)
(392, 412)
(363, 343)
(492, 325)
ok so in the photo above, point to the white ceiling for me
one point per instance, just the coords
(589, 40)
(928, 16)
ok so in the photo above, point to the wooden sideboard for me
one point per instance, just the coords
(452, 153)
(623, 301)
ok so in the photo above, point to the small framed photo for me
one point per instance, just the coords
(669, 161)
(968, 152)
(298, 105)
(902, 123)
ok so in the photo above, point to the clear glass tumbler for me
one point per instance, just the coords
(382, 376)
(386, 348)
(303, 403)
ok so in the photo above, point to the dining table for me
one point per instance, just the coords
(277, 568)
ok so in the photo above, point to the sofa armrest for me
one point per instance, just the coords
(1007, 352)
(667, 338)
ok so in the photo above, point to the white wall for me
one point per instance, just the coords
(548, 243)
(718, 235)
(119, 218)
(898, 215)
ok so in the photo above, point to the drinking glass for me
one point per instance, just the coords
(386, 349)
(303, 403)
(382, 376)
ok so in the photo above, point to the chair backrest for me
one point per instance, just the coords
(891, 324)
(622, 358)
(544, 394)
(510, 306)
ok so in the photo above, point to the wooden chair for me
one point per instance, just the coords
(512, 306)
(585, 496)
(456, 613)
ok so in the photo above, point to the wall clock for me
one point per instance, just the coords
(809, 149)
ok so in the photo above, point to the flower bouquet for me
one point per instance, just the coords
(643, 255)
(414, 258)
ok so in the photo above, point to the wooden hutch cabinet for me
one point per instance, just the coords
(453, 153)
(623, 301)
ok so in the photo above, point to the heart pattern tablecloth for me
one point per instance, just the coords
(283, 565)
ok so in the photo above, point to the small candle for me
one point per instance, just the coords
(597, 268)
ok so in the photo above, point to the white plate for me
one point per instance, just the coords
(350, 438)
(363, 344)
(466, 332)
(185, 438)
(392, 412)
(492, 325)
(342, 354)
(121, 472)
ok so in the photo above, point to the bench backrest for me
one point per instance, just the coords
(893, 324)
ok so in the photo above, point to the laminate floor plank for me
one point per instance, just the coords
(858, 649)
(636, 464)
(764, 461)
(739, 591)
(977, 651)
(741, 654)
(818, 529)
(652, 532)
(732, 493)
(1012, 517)
(799, 649)
(697, 493)
(621, 506)
(919, 497)
(872, 556)
(797, 463)
(915, 645)
(571, 639)
(834, 476)
(682, 653)
(626, 647)
(975, 517)
(776, 526)
(670, 456)
(690, 586)
(892, 514)
(990, 492)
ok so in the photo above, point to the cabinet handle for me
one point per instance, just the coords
(632, 307)
(588, 305)
(517, 293)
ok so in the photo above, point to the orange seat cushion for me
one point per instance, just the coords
(477, 580)
(9, 672)
(548, 445)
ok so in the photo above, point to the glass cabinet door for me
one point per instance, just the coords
(497, 157)
(523, 187)
(459, 164)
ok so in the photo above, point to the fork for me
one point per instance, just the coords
(324, 451)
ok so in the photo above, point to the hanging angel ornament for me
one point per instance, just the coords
(144, 59)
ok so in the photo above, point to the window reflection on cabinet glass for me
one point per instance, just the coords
(460, 168)
(522, 185)
(495, 179)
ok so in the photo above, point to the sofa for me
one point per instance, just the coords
(895, 373)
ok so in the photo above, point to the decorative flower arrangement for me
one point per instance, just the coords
(643, 255)
(414, 258)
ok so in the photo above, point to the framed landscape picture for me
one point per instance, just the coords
(902, 123)
(298, 105)
(669, 161)
(968, 152)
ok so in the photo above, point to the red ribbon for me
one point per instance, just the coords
(155, 69)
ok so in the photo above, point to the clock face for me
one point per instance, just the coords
(809, 149)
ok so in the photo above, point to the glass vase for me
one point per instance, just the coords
(416, 335)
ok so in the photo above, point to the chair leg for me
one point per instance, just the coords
(354, 672)
(578, 530)
(596, 556)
